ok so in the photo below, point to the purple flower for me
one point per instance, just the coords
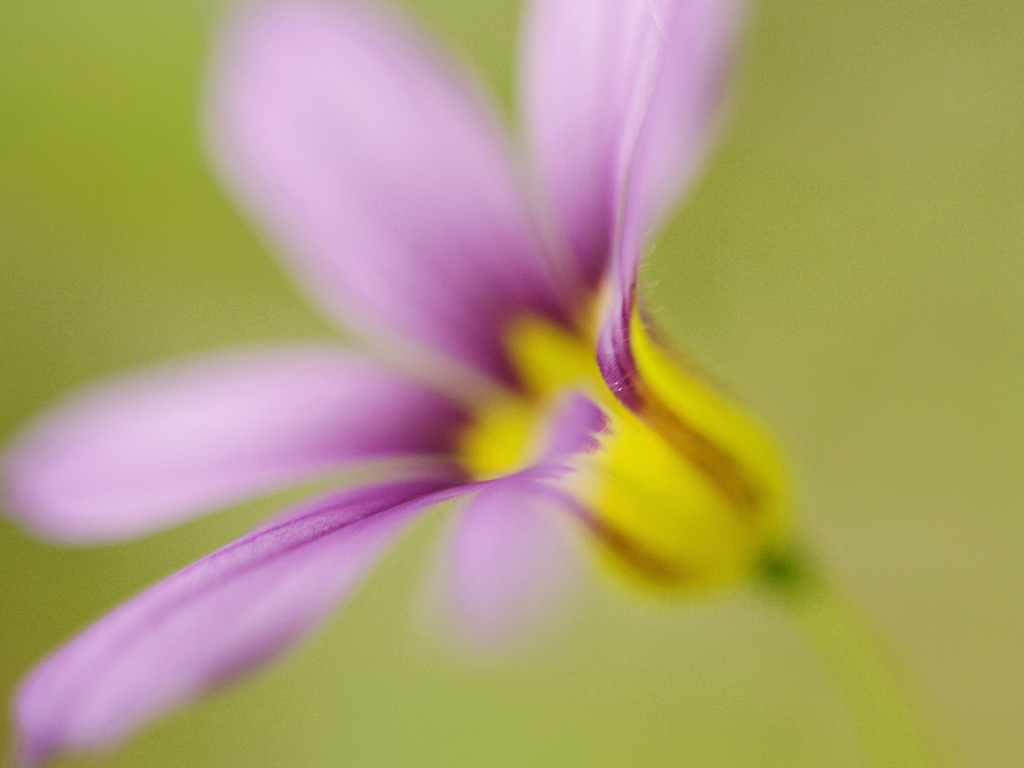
(521, 374)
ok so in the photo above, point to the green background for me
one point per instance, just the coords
(851, 263)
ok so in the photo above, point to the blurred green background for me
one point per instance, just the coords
(851, 263)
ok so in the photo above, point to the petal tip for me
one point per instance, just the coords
(33, 745)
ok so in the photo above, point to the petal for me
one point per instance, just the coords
(138, 453)
(617, 91)
(380, 173)
(217, 618)
(508, 565)
(575, 425)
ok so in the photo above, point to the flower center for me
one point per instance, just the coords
(682, 493)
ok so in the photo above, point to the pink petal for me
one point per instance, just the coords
(617, 92)
(381, 174)
(142, 452)
(574, 428)
(220, 616)
(509, 565)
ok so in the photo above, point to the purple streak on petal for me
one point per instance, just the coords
(381, 174)
(614, 350)
(617, 92)
(213, 620)
(145, 451)
(509, 565)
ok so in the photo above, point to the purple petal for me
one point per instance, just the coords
(574, 429)
(617, 92)
(381, 174)
(509, 565)
(138, 453)
(218, 617)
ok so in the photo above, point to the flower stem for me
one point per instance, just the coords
(891, 732)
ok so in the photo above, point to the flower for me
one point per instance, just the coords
(536, 389)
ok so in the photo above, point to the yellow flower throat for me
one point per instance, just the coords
(685, 493)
